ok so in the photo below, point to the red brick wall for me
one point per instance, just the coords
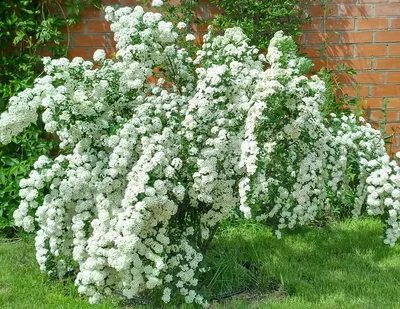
(362, 34)
(91, 34)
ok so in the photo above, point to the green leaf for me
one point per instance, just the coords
(9, 161)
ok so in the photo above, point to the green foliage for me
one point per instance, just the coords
(386, 136)
(28, 29)
(260, 19)
(340, 104)
(183, 12)
(16, 160)
(335, 100)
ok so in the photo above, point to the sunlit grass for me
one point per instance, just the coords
(342, 266)
(22, 285)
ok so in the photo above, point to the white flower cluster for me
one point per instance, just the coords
(157, 3)
(150, 170)
(286, 143)
(378, 187)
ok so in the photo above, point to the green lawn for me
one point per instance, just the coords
(344, 266)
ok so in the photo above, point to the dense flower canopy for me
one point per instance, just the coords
(148, 171)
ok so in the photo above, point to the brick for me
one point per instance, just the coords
(318, 11)
(394, 50)
(387, 9)
(376, 115)
(369, 77)
(395, 24)
(385, 91)
(387, 36)
(200, 27)
(77, 52)
(98, 26)
(356, 37)
(198, 40)
(394, 103)
(357, 64)
(393, 78)
(319, 38)
(343, 78)
(374, 125)
(354, 91)
(213, 10)
(314, 25)
(76, 28)
(355, 10)
(300, 39)
(339, 51)
(387, 64)
(392, 151)
(372, 103)
(370, 50)
(339, 24)
(372, 24)
(130, 2)
(91, 13)
(151, 80)
(392, 128)
(320, 63)
(393, 142)
(90, 40)
(311, 52)
(200, 12)
(110, 40)
(46, 53)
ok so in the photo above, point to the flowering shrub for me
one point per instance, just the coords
(148, 171)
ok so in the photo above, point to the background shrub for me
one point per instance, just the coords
(261, 19)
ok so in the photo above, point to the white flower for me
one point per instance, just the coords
(99, 55)
(157, 3)
(190, 37)
(166, 295)
(181, 25)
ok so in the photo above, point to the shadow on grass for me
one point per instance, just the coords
(346, 265)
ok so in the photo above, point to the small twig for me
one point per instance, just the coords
(228, 295)
(134, 300)
(65, 17)
(140, 300)
(207, 243)
(10, 240)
